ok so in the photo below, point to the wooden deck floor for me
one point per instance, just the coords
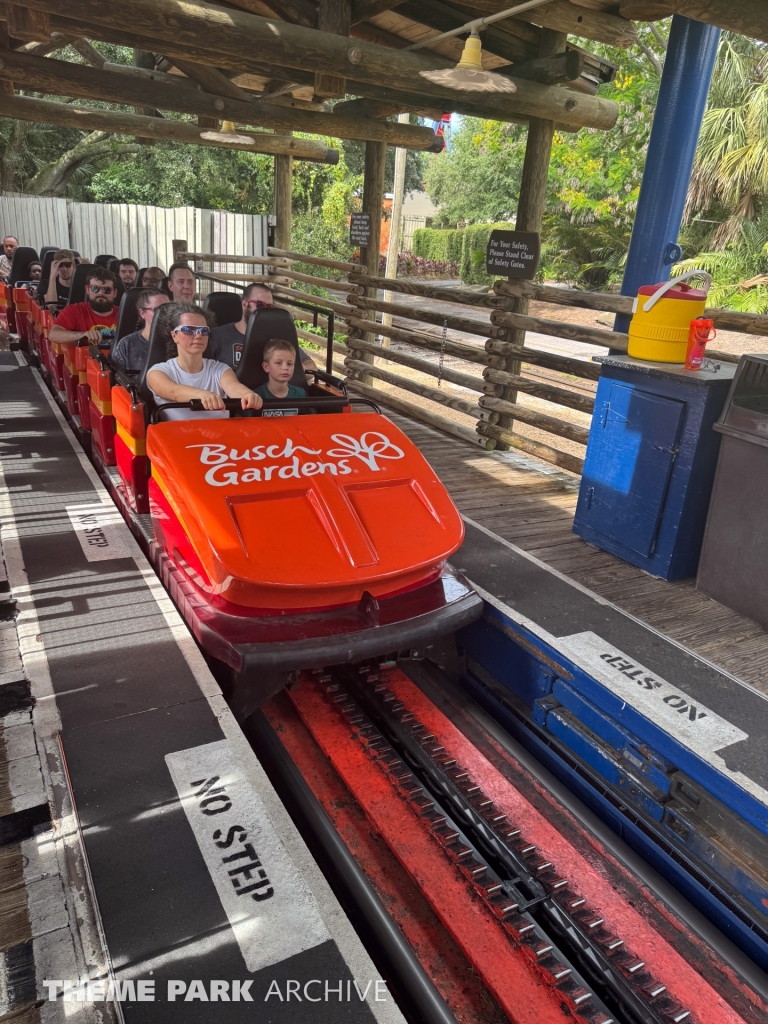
(532, 505)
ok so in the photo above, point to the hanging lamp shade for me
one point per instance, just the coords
(227, 134)
(468, 75)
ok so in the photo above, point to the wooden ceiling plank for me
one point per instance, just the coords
(363, 10)
(231, 37)
(24, 108)
(333, 16)
(171, 92)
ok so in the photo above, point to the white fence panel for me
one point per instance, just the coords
(145, 233)
(34, 220)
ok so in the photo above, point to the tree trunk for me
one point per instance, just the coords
(52, 180)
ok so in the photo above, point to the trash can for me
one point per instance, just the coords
(734, 556)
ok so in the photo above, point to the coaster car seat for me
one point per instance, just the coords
(158, 353)
(263, 326)
(104, 261)
(226, 307)
(128, 316)
(22, 257)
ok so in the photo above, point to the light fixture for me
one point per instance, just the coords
(468, 75)
(228, 134)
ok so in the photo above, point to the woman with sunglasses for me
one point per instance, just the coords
(186, 374)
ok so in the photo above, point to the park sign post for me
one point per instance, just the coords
(360, 229)
(513, 254)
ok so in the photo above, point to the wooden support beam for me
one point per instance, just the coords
(556, 329)
(646, 10)
(547, 392)
(362, 10)
(89, 53)
(510, 439)
(560, 67)
(154, 89)
(283, 201)
(463, 296)
(57, 41)
(532, 202)
(333, 16)
(5, 86)
(407, 384)
(28, 23)
(563, 428)
(223, 36)
(417, 412)
(427, 316)
(574, 20)
(144, 60)
(211, 80)
(373, 205)
(432, 342)
(297, 12)
(746, 17)
(443, 18)
(362, 107)
(88, 118)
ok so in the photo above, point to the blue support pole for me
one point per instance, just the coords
(680, 106)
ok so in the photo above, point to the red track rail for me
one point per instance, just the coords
(508, 969)
(447, 967)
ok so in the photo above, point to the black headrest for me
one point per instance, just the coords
(263, 326)
(46, 249)
(227, 307)
(22, 257)
(77, 285)
(114, 266)
(104, 260)
(79, 279)
(128, 316)
(158, 353)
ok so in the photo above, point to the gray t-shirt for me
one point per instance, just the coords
(226, 345)
(130, 353)
(209, 379)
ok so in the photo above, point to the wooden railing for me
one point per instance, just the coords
(494, 372)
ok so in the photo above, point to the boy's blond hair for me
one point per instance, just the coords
(277, 345)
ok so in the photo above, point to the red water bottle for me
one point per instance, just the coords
(702, 331)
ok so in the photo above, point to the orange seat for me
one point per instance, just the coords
(303, 512)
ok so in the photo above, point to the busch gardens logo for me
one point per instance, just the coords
(226, 469)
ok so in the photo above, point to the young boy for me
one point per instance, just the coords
(279, 361)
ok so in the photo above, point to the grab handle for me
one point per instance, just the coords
(672, 283)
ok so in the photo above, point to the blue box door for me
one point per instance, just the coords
(632, 447)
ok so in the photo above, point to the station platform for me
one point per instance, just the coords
(531, 505)
(179, 867)
(173, 837)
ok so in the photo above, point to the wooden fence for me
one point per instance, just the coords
(494, 369)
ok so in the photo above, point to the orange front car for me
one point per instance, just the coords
(300, 512)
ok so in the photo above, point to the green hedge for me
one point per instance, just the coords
(438, 245)
(465, 246)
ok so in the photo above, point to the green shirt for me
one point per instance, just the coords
(293, 392)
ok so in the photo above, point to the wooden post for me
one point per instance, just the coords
(373, 201)
(283, 208)
(531, 205)
(333, 16)
(396, 222)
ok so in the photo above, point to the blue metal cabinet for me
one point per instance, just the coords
(650, 463)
